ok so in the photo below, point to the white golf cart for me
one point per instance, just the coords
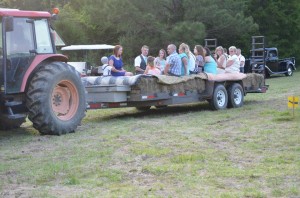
(83, 67)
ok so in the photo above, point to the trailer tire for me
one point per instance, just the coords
(143, 108)
(219, 99)
(235, 96)
(289, 71)
(56, 99)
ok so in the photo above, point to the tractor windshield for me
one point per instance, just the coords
(43, 40)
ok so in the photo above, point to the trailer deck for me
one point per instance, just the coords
(148, 90)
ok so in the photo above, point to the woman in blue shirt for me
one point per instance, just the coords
(116, 62)
(210, 65)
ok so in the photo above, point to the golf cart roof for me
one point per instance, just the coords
(88, 47)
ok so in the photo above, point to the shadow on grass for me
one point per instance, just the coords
(153, 112)
(22, 132)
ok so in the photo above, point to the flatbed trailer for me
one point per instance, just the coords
(144, 91)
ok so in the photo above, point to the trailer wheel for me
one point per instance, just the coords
(143, 108)
(235, 96)
(289, 71)
(220, 98)
(56, 99)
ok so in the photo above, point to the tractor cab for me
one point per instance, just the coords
(34, 80)
(23, 37)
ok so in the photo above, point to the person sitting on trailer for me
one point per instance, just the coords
(160, 60)
(140, 62)
(221, 59)
(233, 63)
(184, 55)
(200, 54)
(241, 59)
(151, 69)
(116, 62)
(106, 69)
(210, 65)
(173, 63)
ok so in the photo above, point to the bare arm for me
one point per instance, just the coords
(207, 58)
(137, 68)
(229, 63)
(167, 68)
(111, 63)
(220, 62)
(185, 63)
(147, 69)
(242, 63)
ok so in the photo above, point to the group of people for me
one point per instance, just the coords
(180, 63)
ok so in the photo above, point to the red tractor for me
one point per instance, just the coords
(34, 80)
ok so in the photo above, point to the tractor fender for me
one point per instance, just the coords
(36, 61)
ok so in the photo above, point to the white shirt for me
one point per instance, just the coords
(242, 59)
(235, 67)
(106, 70)
(138, 60)
(192, 61)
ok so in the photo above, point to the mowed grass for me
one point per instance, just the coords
(180, 151)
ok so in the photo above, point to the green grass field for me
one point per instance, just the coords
(180, 151)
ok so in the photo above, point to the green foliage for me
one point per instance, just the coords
(279, 22)
(157, 23)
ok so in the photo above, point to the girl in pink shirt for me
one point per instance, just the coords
(151, 69)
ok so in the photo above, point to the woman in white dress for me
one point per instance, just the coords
(221, 60)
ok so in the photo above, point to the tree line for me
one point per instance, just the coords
(157, 23)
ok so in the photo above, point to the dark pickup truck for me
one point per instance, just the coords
(266, 61)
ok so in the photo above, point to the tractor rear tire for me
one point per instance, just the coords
(56, 99)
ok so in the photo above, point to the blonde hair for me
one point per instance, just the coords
(145, 47)
(220, 48)
(185, 48)
(232, 48)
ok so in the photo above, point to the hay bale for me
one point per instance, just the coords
(253, 81)
(169, 84)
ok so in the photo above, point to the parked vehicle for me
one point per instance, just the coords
(266, 60)
(34, 80)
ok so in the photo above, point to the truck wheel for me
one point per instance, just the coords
(56, 99)
(235, 96)
(219, 99)
(289, 71)
(143, 108)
